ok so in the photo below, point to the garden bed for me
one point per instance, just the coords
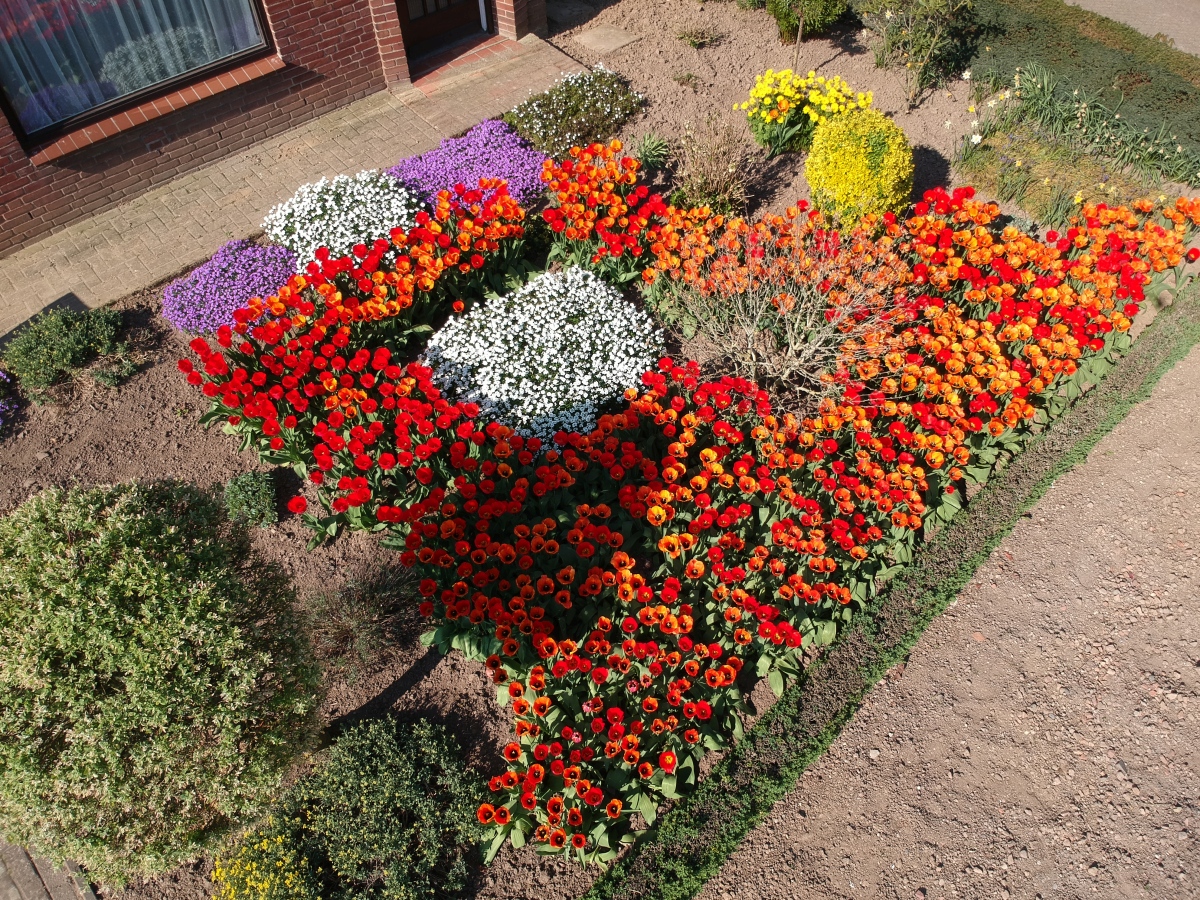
(145, 429)
(600, 587)
(745, 42)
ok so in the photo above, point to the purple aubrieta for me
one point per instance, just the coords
(206, 298)
(489, 150)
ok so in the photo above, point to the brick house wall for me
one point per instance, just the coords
(335, 51)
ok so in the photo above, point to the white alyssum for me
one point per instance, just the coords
(547, 356)
(340, 212)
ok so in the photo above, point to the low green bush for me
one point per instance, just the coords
(577, 110)
(390, 815)
(58, 343)
(250, 498)
(799, 19)
(152, 690)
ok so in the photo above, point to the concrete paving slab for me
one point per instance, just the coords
(1174, 19)
(606, 38)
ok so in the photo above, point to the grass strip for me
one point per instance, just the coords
(691, 841)
(1152, 81)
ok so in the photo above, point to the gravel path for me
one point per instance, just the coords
(1043, 741)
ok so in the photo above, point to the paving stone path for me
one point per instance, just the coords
(179, 224)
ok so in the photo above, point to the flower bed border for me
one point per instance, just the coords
(688, 845)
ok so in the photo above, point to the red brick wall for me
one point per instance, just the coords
(517, 18)
(333, 56)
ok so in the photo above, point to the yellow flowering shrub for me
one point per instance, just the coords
(785, 107)
(269, 863)
(860, 164)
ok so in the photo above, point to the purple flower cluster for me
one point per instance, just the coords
(8, 403)
(206, 298)
(489, 150)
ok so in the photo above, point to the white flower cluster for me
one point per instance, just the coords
(576, 110)
(340, 212)
(547, 356)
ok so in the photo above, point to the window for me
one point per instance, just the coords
(61, 60)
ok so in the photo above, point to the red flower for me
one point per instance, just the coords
(297, 505)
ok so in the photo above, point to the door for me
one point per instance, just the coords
(430, 24)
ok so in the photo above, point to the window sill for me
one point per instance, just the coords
(153, 109)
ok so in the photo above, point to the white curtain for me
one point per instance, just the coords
(60, 58)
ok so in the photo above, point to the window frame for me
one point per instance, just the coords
(30, 141)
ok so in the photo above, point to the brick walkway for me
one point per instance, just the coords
(178, 225)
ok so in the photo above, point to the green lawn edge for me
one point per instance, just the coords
(1150, 82)
(690, 842)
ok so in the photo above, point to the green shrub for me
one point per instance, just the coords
(928, 41)
(390, 815)
(860, 164)
(151, 687)
(798, 19)
(577, 110)
(250, 498)
(60, 342)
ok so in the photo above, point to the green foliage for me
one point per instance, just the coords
(390, 815)
(799, 19)
(861, 164)
(653, 151)
(270, 861)
(250, 498)
(577, 110)
(690, 842)
(1068, 115)
(1153, 84)
(151, 687)
(929, 41)
(58, 343)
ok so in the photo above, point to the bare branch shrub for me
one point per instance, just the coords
(711, 168)
(799, 310)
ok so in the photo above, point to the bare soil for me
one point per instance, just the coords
(722, 73)
(1043, 740)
